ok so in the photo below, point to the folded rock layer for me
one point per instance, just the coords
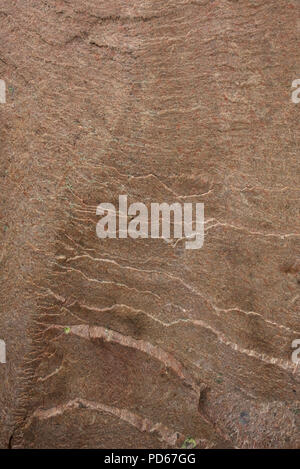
(141, 343)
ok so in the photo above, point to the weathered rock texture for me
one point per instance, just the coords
(176, 100)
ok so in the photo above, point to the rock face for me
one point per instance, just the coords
(140, 343)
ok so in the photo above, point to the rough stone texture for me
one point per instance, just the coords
(176, 100)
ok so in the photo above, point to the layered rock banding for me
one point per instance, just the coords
(124, 343)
